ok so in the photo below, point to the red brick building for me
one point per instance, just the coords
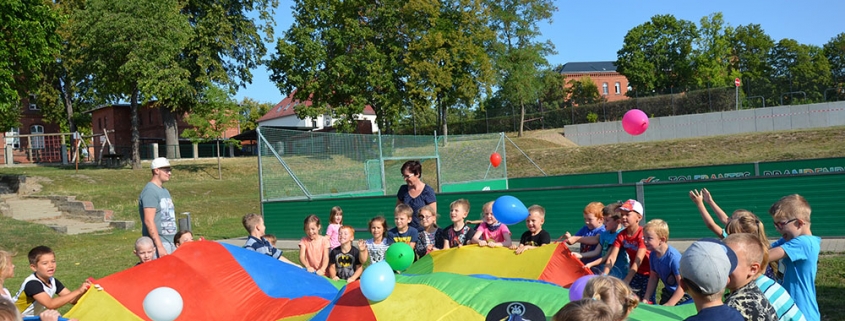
(611, 84)
(36, 148)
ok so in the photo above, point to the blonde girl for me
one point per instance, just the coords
(491, 232)
(613, 291)
(7, 270)
(430, 232)
(335, 222)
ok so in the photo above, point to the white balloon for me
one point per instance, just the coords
(163, 304)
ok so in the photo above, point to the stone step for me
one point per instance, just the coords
(32, 209)
(73, 227)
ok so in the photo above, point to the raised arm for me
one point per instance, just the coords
(698, 200)
(708, 198)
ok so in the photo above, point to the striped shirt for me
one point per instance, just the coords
(262, 246)
(780, 299)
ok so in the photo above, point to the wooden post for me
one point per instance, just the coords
(29, 147)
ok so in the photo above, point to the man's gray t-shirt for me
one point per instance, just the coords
(165, 219)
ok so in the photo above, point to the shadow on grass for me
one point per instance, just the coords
(830, 302)
(208, 169)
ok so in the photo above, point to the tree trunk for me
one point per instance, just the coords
(68, 105)
(220, 171)
(171, 132)
(136, 136)
(443, 122)
(521, 117)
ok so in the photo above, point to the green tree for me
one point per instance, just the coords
(518, 56)
(656, 55)
(28, 41)
(129, 50)
(581, 92)
(211, 117)
(750, 49)
(834, 50)
(552, 95)
(712, 54)
(251, 110)
(798, 71)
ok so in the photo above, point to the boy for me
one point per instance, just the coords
(345, 261)
(402, 216)
(631, 239)
(535, 236)
(270, 238)
(459, 233)
(799, 251)
(144, 249)
(705, 268)
(745, 296)
(254, 224)
(612, 227)
(664, 262)
(592, 226)
(37, 291)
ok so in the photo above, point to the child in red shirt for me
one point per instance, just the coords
(631, 239)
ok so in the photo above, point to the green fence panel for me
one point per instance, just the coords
(688, 173)
(491, 185)
(804, 166)
(671, 202)
(564, 180)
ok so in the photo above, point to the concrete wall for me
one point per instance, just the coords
(714, 124)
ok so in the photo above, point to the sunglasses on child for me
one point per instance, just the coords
(781, 225)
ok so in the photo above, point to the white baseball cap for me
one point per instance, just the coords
(159, 163)
(633, 205)
(708, 263)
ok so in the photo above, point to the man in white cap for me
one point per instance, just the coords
(705, 269)
(158, 216)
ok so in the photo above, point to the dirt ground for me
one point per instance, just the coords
(554, 135)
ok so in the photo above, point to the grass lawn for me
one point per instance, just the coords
(218, 205)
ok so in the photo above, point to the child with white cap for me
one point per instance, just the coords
(705, 268)
(631, 240)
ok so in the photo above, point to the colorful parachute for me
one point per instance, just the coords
(224, 282)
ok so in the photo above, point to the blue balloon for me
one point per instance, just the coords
(378, 281)
(509, 210)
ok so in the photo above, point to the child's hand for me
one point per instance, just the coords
(321, 272)
(576, 255)
(696, 197)
(515, 246)
(310, 269)
(482, 243)
(520, 249)
(705, 194)
(362, 246)
(50, 315)
(84, 287)
(429, 248)
(351, 279)
(335, 278)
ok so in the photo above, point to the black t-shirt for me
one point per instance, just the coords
(34, 287)
(535, 240)
(448, 234)
(344, 263)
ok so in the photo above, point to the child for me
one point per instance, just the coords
(254, 224)
(182, 237)
(705, 269)
(335, 221)
(592, 226)
(491, 232)
(799, 251)
(429, 233)
(345, 261)
(402, 216)
(631, 239)
(270, 238)
(7, 270)
(459, 233)
(313, 247)
(37, 291)
(745, 296)
(584, 310)
(376, 246)
(535, 236)
(144, 249)
(618, 295)
(612, 227)
(664, 262)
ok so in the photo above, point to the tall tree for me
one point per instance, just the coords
(250, 111)
(798, 71)
(834, 50)
(129, 52)
(656, 55)
(214, 114)
(28, 41)
(582, 92)
(750, 49)
(518, 56)
(712, 53)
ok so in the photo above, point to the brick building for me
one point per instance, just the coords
(611, 84)
(42, 147)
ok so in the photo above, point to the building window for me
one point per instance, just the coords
(15, 142)
(37, 141)
(604, 89)
(32, 104)
(618, 88)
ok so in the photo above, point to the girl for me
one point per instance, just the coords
(335, 222)
(491, 232)
(7, 270)
(376, 246)
(182, 237)
(614, 292)
(429, 233)
(313, 247)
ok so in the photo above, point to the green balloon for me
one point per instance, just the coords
(399, 256)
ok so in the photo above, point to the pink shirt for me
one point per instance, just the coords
(314, 250)
(331, 233)
(496, 236)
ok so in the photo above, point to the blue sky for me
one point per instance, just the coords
(594, 30)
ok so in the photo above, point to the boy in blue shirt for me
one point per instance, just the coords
(798, 250)
(592, 227)
(402, 233)
(665, 263)
(612, 227)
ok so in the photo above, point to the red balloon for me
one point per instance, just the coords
(495, 159)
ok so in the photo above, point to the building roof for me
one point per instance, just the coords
(587, 67)
(287, 106)
(103, 106)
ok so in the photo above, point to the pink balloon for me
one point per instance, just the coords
(576, 291)
(635, 122)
